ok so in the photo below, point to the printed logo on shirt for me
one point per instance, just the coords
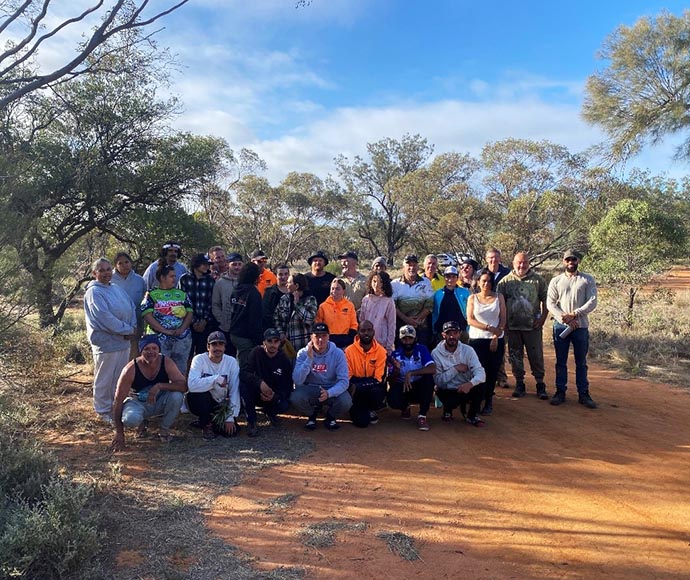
(319, 368)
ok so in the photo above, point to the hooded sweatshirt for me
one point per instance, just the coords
(246, 313)
(328, 370)
(446, 376)
(110, 315)
(371, 363)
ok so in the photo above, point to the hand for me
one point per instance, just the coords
(574, 324)
(538, 323)
(407, 383)
(153, 393)
(310, 350)
(396, 363)
(461, 368)
(267, 393)
(230, 427)
(465, 388)
(118, 443)
(493, 345)
(568, 318)
(323, 395)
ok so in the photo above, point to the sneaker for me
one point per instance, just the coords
(586, 400)
(106, 418)
(447, 416)
(142, 430)
(405, 413)
(184, 408)
(252, 430)
(422, 423)
(476, 421)
(505, 385)
(196, 424)
(208, 433)
(373, 417)
(331, 423)
(165, 436)
(274, 420)
(310, 425)
(541, 391)
(488, 409)
(519, 391)
(558, 398)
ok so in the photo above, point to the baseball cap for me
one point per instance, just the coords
(570, 253)
(271, 333)
(471, 262)
(407, 330)
(320, 328)
(349, 254)
(149, 339)
(234, 257)
(379, 260)
(451, 270)
(410, 258)
(216, 336)
(198, 260)
(450, 325)
(258, 255)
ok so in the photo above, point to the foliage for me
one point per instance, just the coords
(643, 93)
(633, 242)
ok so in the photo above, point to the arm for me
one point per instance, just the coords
(342, 375)
(154, 324)
(124, 385)
(198, 383)
(306, 310)
(590, 298)
(217, 303)
(100, 317)
(233, 390)
(320, 314)
(552, 301)
(302, 366)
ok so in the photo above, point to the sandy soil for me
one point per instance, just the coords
(540, 492)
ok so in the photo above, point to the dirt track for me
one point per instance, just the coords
(540, 492)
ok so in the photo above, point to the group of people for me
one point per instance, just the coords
(229, 335)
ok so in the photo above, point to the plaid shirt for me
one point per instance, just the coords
(295, 320)
(199, 292)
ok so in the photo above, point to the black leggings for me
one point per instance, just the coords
(491, 361)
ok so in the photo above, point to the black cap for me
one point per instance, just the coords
(216, 336)
(198, 260)
(320, 328)
(270, 333)
(258, 255)
(349, 254)
(320, 254)
(471, 262)
(570, 253)
(410, 258)
(234, 257)
(450, 325)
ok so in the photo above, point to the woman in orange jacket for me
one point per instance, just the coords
(339, 314)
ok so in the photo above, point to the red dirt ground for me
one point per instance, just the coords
(540, 492)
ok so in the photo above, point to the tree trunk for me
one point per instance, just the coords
(631, 305)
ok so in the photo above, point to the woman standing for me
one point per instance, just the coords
(486, 315)
(296, 312)
(339, 314)
(111, 323)
(378, 308)
(134, 286)
(168, 313)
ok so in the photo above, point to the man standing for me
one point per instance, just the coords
(571, 297)
(319, 279)
(410, 377)
(450, 303)
(170, 253)
(219, 262)
(431, 272)
(321, 379)
(355, 281)
(414, 299)
(459, 375)
(198, 285)
(266, 277)
(266, 380)
(221, 300)
(525, 294)
(273, 294)
(366, 362)
(493, 264)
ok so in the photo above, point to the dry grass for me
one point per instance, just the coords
(656, 347)
(323, 534)
(400, 544)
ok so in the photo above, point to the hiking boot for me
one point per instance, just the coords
(422, 423)
(488, 409)
(331, 423)
(519, 391)
(373, 417)
(586, 400)
(252, 430)
(310, 425)
(405, 413)
(541, 391)
(475, 421)
(558, 398)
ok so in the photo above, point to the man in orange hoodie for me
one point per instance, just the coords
(366, 362)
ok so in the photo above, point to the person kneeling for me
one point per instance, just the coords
(366, 361)
(214, 389)
(459, 375)
(266, 381)
(321, 380)
(150, 385)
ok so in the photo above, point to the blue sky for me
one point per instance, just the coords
(300, 86)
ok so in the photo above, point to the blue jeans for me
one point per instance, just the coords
(178, 350)
(305, 398)
(167, 405)
(579, 338)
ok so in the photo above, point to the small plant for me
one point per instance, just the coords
(400, 544)
(322, 534)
